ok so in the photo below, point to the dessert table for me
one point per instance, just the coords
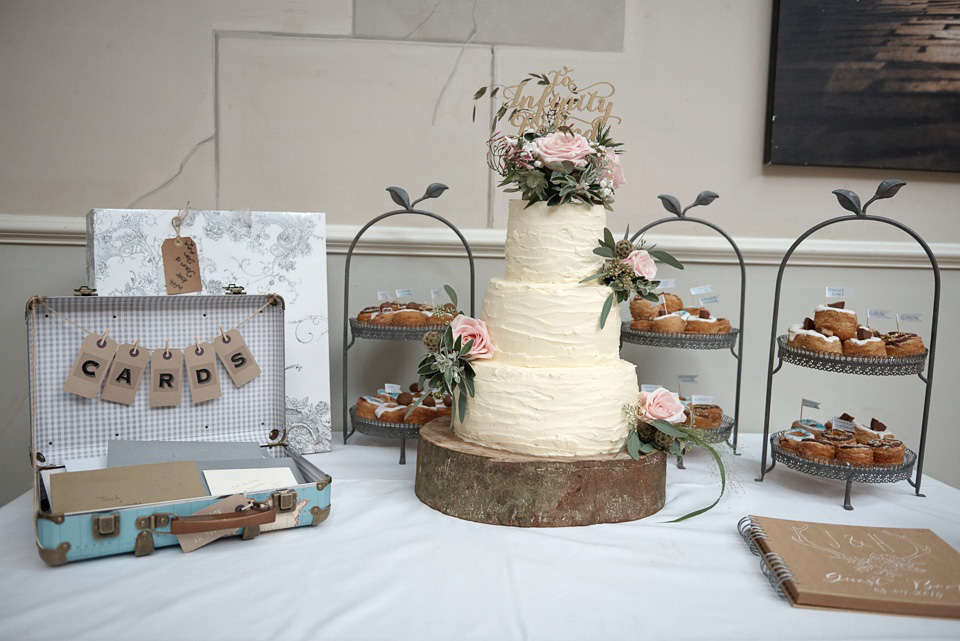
(385, 566)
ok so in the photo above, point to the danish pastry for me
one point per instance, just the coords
(707, 416)
(876, 430)
(815, 427)
(806, 337)
(367, 406)
(842, 322)
(838, 437)
(887, 451)
(701, 323)
(855, 454)
(670, 323)
(790, 439)
(367, 314)
(642, 309)
(902, 344)
(723, 326)
(816, 450)
(866, 343)
(642, 325)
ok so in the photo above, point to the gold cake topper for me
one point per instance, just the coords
(561, 104)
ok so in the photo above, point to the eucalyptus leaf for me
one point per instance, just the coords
(468, 370)
(848, 200)
(607, 304)
(466, 348)
(414, 406)
(723, 484)
(670, 203)
(646, 448)
(633, 445)
(399, 196)
(462, 405)
(667, 428)
(592, 277)
(705, 198)
(448, 338)
(469, 385)
(608, 238)
(457, 344)
(451, 293)
(650, 296)
(435, 190)
(603, 251)
(626, 235)
(675, 449)
(664, 257)
(889, 187)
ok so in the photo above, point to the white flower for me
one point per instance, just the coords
(603, 183)
(606, 191)
(537, 163)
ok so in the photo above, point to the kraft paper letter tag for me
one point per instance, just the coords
(166, 377)
(181, 265)
(202, 372)
(90, 366)
(190, 542)
(125, 375)
(236, 358)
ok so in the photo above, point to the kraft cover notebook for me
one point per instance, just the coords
(848, 567)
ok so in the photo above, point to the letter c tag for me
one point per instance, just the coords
(90, 366)
(202, 372)
(236, 358)
(166, 371)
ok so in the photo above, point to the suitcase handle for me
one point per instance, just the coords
(228, 521)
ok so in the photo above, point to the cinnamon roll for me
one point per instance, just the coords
(834, 317)
(855, 454)
(815, 449)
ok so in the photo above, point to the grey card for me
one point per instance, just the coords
(248, 463)
(121, 453)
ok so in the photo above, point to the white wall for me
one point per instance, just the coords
(226, 104)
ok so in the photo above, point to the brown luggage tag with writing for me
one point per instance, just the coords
(166, 374)
(236, 357)
(181, 265)
(125, 374)
(90, 366)
(202, 372)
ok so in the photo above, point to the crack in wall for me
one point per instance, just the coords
(425, 20)
(183, 164)
(456, 64)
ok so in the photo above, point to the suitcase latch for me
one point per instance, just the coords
(106, 526)
(154, 521)
(84, 291)
(233, 288)
(285, 501)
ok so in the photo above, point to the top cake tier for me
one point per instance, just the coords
(552, 244)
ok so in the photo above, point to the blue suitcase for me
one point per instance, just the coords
(68, 428)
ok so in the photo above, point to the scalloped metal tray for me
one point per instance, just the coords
(842, 471)
(718, 434)
(867, 365)
(678, 341)
(392, 332)
(384, 429)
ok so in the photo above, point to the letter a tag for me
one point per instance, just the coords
(166, 371)
(90, 366)
(202, 372)
(125, 375)
(236, 358)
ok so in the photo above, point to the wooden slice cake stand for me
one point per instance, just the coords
(493, 486)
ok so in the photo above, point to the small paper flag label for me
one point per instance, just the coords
(383, 296)
(703, 289)
(648, 389)
(837, 292)
(435, 294)
(840, 424)
(391, 388)
(668, 283)
(913, 317)
(698, 399)
(688, 378)
(404, 293)
(879, 313)
(708, 300)
(806, 402)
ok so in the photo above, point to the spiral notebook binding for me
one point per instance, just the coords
(777, 572)
(751, 532)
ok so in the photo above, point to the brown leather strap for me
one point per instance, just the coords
(228, 521)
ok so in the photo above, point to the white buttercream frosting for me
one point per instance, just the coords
(864, 341)
(550, 411)
(552, 244)
(549, 324)
(825, 308)
(798, 329)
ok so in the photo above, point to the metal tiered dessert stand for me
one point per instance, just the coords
(878, 366)
(352, 329)
(732, 340)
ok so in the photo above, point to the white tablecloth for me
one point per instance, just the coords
(385, 566)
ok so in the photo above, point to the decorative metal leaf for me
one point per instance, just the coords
(435, 190)
(399, 196)
(705, 198)
(480, 92)
(670, 203)
(889, 187)
(606, 310)
(849, 200)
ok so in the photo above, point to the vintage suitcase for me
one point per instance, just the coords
(69, 429)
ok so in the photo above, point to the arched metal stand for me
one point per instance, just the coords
(351, 333)
(852, 365)
(734, 340)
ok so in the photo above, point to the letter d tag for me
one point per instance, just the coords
(125, 375)
(202, 372)
(90, 366)
(236, 358)
(166, 370)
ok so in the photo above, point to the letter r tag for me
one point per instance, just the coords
(236, 358)
(202, 372)
(90, 366)
(125, 375)
(166, 370)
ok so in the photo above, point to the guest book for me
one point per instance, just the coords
(847, 567)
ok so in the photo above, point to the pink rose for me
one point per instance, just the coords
(558, 147)
(471, 328)
(664, 405)
(642, 264)
(614, 169)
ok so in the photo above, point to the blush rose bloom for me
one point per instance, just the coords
(614, 169)
(642, 263)
(471, 328)
(558, 147)
(662, 404)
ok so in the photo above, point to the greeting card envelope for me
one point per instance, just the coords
(251, 464)
(121, 453)
(121, 486)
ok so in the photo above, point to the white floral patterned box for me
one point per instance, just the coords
(279, 252)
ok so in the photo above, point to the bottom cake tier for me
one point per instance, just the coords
(550, 411)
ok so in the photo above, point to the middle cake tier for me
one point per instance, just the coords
(551, 325)
(550, 411)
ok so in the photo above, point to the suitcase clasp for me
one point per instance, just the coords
(84, 291)
(155, 521)
(233, 288)
(106, 526)
(285, 501)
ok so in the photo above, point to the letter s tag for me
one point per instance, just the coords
(166, 377)
(90, 366)
(236, 358)
(202, 372)
(125, 374)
